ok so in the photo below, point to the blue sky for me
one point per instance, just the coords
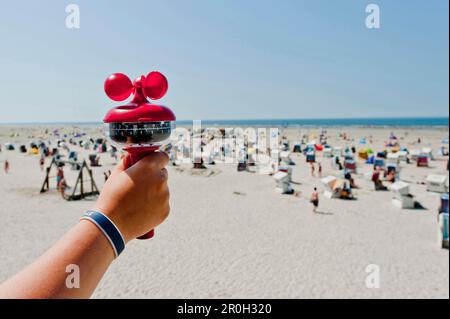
(227, 59)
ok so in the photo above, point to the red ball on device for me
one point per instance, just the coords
(155, 85)
(118, 87)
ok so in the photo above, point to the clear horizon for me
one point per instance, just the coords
(228, 60)
(443, 118)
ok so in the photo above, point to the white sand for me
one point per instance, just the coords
(255, 244)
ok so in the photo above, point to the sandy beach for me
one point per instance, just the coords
(230, 235)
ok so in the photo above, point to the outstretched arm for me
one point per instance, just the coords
(135, 200)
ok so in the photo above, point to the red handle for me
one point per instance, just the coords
(130, 160)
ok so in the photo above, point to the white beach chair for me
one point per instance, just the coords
(328, 183)
(401, 195)
(283, 184)
(437, 183)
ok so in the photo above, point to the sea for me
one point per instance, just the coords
(425, 122)
(343, 122)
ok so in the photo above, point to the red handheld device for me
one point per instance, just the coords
(139, 126)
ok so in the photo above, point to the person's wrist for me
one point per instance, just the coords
(117, 220)
(95, 235)
(108, 228)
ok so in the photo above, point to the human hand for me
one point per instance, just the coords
(137, 199)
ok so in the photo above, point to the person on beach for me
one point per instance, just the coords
(390, 177)
(62, 186)
(338, 163)
(348, 176)
(132, 202)
(42, 163)
(315, 200)
(378, 184)
(59, 176)
(6, 167)
(319, 170)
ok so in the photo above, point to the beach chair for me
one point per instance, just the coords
(444, 204)
(392, 158)
(378, 185)
(242, 166)
(437, 183)
(422, 161)
(283, 183)
(401, 195)
(329, 183)
(363, 155)
(379, 163)
(443, 232)
(371, 160)
(265, 164)
(350, 166)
